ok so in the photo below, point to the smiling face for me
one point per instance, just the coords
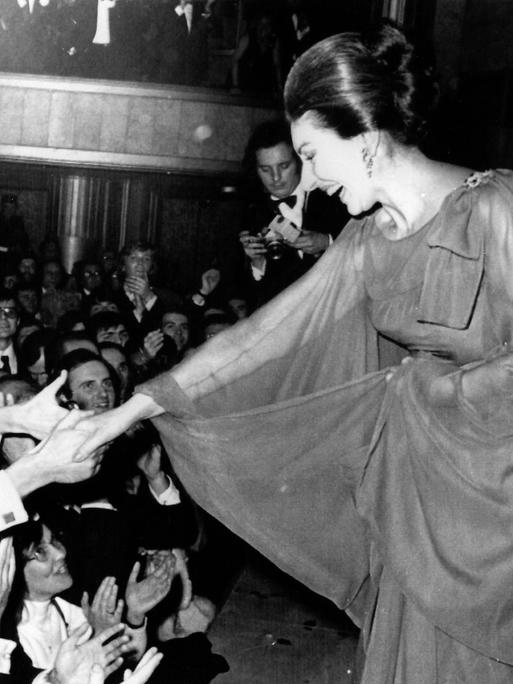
(46, 572)
(278, 169)
(9, 320)
(335, 162)
(91, 386)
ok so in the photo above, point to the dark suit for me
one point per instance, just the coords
(321, 214)
(184, 53)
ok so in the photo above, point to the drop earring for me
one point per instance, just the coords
(368, 160)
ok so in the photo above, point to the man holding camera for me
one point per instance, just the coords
(288, 227)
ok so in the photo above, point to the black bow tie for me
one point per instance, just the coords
(290, 201)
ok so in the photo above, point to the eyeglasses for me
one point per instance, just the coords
(89, 274)
(41, 552)
(9, 312)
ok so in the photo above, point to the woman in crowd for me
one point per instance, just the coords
(43, 620)
(388, 491)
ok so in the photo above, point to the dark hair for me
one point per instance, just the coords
(68, 320)
(34, 344)
(78, 357)
(358, 82)
(138, 245)
(55, 350)
(104, 320)
(268, 134)
(6, 295)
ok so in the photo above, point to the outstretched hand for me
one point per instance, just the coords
(40, 414)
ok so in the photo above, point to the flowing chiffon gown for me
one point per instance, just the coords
(400, 510)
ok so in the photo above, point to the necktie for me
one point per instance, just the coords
(6, 366)
(289, 201)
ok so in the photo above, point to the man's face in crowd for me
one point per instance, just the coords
(91, 387)
(27, 269)
(138, 263)
(52, 274)
(116, 333)
(92, 277)
(9, 319)
(278, 169)
(28, 300)
(176, 326)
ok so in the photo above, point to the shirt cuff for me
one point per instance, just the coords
(258, 273)
(148, 304)
(6, 648)
(11, 508)
(169, 497)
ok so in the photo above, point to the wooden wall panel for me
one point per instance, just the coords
(36, 116)
(114, 125)
(11, 114)
(132, 126)
(61, 120)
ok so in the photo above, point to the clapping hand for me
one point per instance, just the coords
(141, 596)
(210, 280)
(105, 610)
(182, 570)
(79, 658)
(153, 343)
(139, 286)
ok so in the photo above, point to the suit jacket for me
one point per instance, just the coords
(184, 53)
(321, 213)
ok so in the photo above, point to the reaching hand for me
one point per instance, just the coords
(145, 668)
(7, 567)
(142, 596)
(78, 657)
(105, 610)
(55, 455)
(210, 280)
(39, 415)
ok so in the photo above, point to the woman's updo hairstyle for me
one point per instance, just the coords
(358, 82)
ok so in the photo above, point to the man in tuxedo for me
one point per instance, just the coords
(316, 218)
(184, 43)
(9, 319)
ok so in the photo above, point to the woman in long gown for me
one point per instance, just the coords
(389, 492)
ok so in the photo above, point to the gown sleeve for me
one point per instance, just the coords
(268, 424)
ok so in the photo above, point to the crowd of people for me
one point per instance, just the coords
(159, 41)
(114, 544)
